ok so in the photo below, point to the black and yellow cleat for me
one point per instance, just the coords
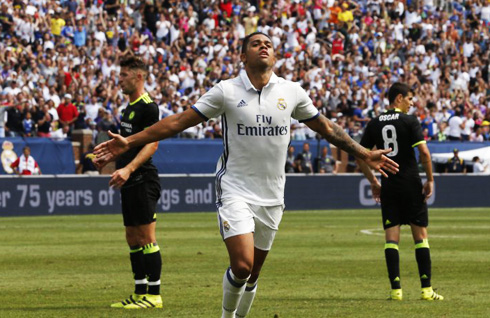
(429, 294)
(131, 300)
(396, 294)
(148, 301)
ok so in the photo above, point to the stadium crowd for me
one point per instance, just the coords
(59, 59)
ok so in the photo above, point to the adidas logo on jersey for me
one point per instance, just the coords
(242, 103)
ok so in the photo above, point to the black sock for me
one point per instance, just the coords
(393, 263)
(422, 255)
(153, 265)
(138, 267)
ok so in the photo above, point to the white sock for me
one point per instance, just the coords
(246, 300)
(233, 289)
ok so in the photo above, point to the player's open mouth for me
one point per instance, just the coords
(264, 53)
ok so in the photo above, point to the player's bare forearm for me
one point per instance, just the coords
(366, 170)
(167, 127)
(426, 161)
(334, 134)
(119, 177)
(143, 155)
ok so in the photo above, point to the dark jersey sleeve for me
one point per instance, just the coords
(368, 141)
(416, 131)
(151, 115)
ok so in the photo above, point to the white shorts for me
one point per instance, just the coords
(236, 217)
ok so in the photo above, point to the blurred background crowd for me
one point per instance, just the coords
(59, 60)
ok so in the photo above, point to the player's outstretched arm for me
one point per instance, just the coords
(334, 134)
(167, 127)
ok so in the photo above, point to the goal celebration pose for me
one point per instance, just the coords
(256, 109)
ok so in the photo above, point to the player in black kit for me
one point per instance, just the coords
(137, 178)
(403, 197)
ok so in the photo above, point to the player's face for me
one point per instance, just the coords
(259, 52)
(127, 80)
(406, 103)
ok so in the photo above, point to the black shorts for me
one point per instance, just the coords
(139, 201)
(404, 207)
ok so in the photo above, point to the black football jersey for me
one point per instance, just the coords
(138, 115)
(400, 132)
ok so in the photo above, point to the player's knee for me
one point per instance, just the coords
(131, 238)
(242, 269)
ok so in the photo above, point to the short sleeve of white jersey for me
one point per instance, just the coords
(211, 104)
(304, 110)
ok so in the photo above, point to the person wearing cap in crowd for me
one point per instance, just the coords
(345, 17)
(485, 126)
(455, 164)
(67, 112)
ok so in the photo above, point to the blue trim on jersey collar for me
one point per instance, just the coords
(199, 113)
(248, 85)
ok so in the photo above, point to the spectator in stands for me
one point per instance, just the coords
(44, 119)
(15, 115)
(290, 161)
(3, 108)
(468, 126)
(478, 167)
(485, 126)
(28, 125)
(86, 165)
(456, 164)
(327, 163)
(456, 126)
(67, 112)
(61, 133)
(25, 164)
(304, 159)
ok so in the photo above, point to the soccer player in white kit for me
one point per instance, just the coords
(256, 109)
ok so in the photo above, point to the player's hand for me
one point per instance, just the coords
(428, 189)
(119, 178)
(108, 151)
(376, 189)
(379, 162)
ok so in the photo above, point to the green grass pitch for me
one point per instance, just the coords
(323, 264)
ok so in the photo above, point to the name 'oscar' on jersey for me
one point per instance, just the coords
(400, 132)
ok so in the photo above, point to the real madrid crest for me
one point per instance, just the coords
(226, 226)
(131, 115)
(281, 104)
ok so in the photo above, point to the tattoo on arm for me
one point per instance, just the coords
(341, 139)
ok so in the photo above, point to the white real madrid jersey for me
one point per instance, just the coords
(256, 135)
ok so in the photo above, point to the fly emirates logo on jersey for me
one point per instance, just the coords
(262, 127)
